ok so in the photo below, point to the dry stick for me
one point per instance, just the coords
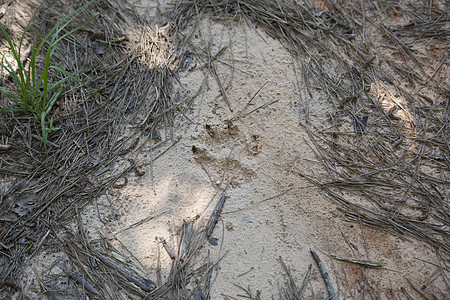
(299, 91)
(213, 183)
(56, 197)
(432, 278)
(246, 272)
(74, 253)
(406, 293)
(215, 215)
(85, 284)
(417, 290)
(158, 264)
(325, 275)
(208, 281)
(305, 281)
(353, 251)
(264, 200)
(144, 220)
(250, 101)
(168, 148)
(222, 89)
(39, 245)
(231, 65)
(213, 71)
(259, 107)
(143, 283)
(167, 248)
(366, 263)
(124, 247)
(212, 59)
(292, 287)
(154, 159)
(248, 292)
(435, 72)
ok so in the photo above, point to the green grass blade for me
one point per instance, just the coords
(80, 26)
(29, 24)
(13, 96)
(10, 71)
(44, 131)
(51, 102)
(60, 25)
(21, 87)
(15, 53)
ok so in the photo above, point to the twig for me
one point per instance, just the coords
(250, 101)
(367, 263)
(80, 279)
(215, 215)
(167, 248)
(143, 283)
(416, 289)
(158, 264)
(259, 107)
(138, 223)
(325, 275)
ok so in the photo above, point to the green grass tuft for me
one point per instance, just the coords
(35, 94)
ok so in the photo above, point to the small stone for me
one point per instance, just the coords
(156, 136)
(229, 226)
(213, 241)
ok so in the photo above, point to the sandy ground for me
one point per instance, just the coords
(251, 157)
